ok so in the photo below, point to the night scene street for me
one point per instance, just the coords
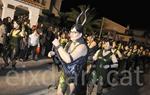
(74, 47)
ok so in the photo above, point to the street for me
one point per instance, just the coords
(30, 77)
(33, 78)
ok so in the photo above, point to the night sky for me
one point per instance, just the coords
(125, 12)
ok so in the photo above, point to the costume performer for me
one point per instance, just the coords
(105, 60)
(72, 58)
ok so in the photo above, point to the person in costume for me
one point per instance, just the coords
(133, 57)
(92, 45)
(72, 58)
(63, 39)
(125, 53)
(140, 58)
(115, 49)
(105, 60)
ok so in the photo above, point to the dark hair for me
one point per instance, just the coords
(78, 27)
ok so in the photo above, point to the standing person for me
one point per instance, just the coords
(63, 39)
(42, 35)
(2, 36)
(105, 60)
(33, 43)
(23, 45)
(92, 49)
(73, 58)
(15, 36)
(48, 41)
(9, 24)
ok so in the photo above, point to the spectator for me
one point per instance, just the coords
(2, 36)
(15, 35)
(49, 38)
(33, 42)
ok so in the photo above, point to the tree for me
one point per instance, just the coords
(92, 24)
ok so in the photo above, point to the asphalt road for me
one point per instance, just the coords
(30, 77)
(34, 77)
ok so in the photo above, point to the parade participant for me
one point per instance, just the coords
(92, 45)
(133, 57)
(146, 59)
(104, 61)
(125, 56)
(73, 58)
(92, 49)
(115, 49)
(63, 39)
(140, 58)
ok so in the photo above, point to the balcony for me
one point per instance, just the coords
(35, 3)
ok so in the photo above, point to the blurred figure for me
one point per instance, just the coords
(49, 38)
(33, 43)
(2, 36)
(15, 36)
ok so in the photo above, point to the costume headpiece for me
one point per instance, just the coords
(79, 27)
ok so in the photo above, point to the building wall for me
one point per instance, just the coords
(34, 9)
(9, 12)
(1, 5)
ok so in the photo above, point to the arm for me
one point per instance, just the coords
(115, 61)
(119, 54)
(80, 51)
(95, 57)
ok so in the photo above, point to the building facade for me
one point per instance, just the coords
(33, 7)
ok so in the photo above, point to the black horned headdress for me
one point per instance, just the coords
(78, 27)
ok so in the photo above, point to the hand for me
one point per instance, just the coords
(56, 42)
(51, 53)
(106, 66)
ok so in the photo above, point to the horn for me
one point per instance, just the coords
(77, 20)
(85, 17)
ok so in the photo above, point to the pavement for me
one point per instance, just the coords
(34, 77)
(30, 77)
